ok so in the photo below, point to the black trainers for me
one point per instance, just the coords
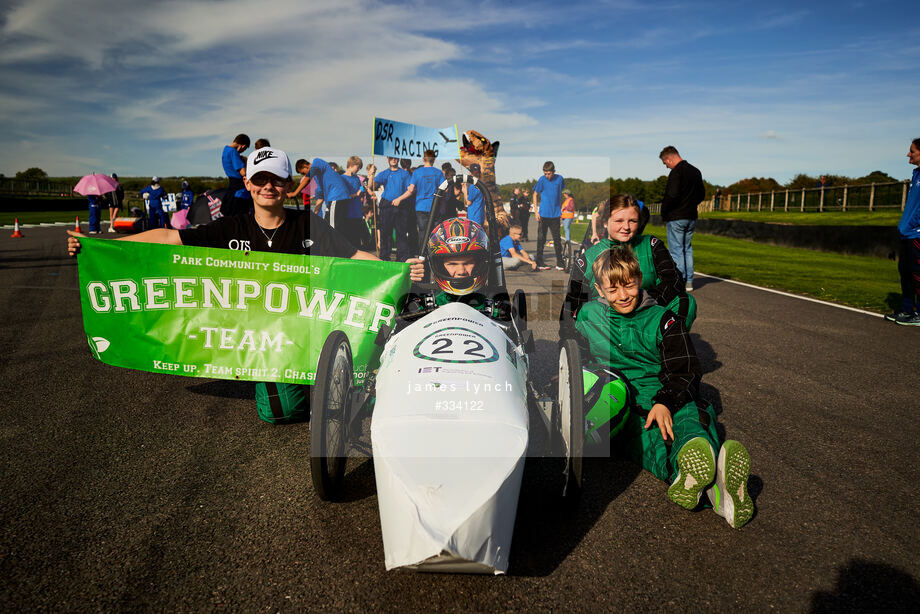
(894, 315)
(908, 319)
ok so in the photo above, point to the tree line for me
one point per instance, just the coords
(587, 194)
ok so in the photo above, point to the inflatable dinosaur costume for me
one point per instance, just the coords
(477, 149)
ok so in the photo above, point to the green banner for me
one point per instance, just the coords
(227, 314)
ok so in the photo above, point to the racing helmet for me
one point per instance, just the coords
(453, 237)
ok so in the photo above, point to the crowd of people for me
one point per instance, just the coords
(629, 302)
(383, 211)
(633, 315)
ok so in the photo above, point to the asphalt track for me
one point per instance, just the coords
(134, 491)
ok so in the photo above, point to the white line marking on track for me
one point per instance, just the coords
(38, 225)
(798, 296)
(66, 288)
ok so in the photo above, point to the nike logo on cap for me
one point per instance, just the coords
(262, 156)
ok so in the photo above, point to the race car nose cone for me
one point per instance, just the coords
(449, 435)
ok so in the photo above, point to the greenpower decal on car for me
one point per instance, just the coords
(228, 314)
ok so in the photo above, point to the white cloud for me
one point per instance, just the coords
(781, 19)
(165, 85)
(308, 75)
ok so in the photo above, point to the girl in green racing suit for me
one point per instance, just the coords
(622, 218)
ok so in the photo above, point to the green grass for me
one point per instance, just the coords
(38, 217)
(858, 281)
(829, 218)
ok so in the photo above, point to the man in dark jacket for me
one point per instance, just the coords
(684, 192)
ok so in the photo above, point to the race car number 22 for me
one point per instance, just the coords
(456, 344)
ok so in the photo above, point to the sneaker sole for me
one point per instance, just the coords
(696, 469)
(917, 323)
(735, 466)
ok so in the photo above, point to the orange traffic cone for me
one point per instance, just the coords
(77, 227)
(16, 234)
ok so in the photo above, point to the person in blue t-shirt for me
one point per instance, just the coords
(356, 229)
(408, 209)
(187, 197)
(475, 209)
(395, 181)
(549, 187)
(333, 191)
(513, 255)
(232, 161)
(153, 194)
(423, 184)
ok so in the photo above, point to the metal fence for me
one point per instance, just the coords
(870, 197)
(24, 187)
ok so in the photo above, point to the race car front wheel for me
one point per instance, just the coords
(329, 416)
(570, 418)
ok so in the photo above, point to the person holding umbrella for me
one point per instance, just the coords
(93, 186)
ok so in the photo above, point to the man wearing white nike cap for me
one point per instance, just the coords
(269, 228)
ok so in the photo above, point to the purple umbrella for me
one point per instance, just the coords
(95, 184)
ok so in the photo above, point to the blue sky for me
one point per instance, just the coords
(740, 88)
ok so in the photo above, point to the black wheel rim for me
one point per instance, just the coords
(336, 407)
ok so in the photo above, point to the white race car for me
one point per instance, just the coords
(450, 408)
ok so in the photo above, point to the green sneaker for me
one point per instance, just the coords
(729, 495)
(696, 468)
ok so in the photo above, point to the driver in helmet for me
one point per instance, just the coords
(458, 255)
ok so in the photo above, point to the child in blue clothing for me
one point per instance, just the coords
(355, 229)
(513, 255)
(332, 191)
(391, 216)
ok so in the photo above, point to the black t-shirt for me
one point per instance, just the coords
(301, 232)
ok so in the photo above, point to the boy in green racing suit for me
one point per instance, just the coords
(625, 329)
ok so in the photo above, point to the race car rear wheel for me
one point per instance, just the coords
(329, 416)
(570, 419)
